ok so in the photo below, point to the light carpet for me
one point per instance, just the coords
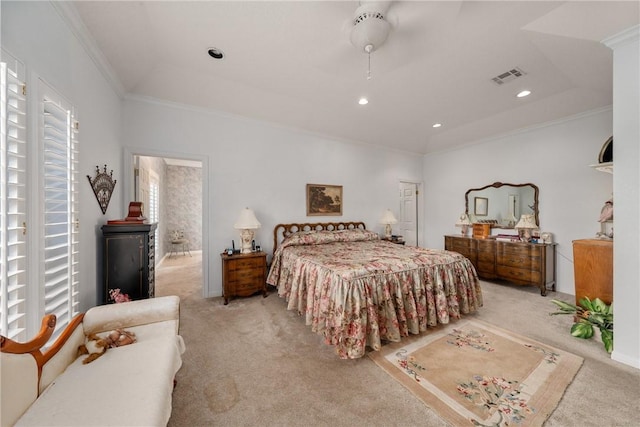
(255, 363)
(474, 373)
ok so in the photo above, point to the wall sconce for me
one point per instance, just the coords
(525, 225)
(463, 222)
(246, 223)
(387, 219)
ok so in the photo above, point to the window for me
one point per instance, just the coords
(13, 209)
(59, 190)
(154, 200)
(44, 163)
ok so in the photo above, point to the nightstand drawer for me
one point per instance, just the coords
(246, 284)
(247, 274)
(245, 263)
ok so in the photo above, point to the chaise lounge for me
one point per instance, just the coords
(128, 385)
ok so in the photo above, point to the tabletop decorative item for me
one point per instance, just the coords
(102, 185)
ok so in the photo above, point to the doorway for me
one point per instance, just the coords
(174, 192)
(408, 222)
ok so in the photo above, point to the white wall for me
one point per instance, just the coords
(626, 155)
(571, 193)
(265, 167)
(37, 35)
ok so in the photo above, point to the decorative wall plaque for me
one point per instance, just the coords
(102, 184)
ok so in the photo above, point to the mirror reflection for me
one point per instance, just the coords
(502, 204)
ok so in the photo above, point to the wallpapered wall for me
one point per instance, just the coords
(182, 204)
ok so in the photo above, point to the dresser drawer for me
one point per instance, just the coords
(518, 275)
(461, 245)
(486, 270)
(519, 256)
(486, 257)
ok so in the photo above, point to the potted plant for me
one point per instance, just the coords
(587, 315)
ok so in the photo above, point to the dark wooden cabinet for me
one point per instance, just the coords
(520, 263)
(244, 274)
(128, 261)
(593, 269)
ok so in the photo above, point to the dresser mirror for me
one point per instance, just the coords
(501, 204)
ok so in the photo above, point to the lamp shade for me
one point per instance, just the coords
(247, 220)
(388, 217)
(527, 222)
(463, 220)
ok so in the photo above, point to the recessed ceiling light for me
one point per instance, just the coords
(523, 93)
(437, 125)
(363, 101)
(215, 53)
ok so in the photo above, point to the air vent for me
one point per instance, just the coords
(508, 76)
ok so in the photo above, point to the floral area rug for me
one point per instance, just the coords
(473, 373)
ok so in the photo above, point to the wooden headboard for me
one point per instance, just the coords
(281, 231)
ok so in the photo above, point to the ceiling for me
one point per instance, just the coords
(291, 63)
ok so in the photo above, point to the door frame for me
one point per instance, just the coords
(129, 194)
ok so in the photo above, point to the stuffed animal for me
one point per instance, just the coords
(95, 346)
(120, 337)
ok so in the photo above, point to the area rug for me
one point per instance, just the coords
(474, 373)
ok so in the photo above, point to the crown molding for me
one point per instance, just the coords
(72, 18)
(623, 37)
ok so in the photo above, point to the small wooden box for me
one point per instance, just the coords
(481, 231)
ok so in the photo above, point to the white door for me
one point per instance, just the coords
(408, 222)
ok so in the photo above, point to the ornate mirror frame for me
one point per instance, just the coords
(506, 184)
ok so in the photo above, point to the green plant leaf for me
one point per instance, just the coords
(565, 306)
(582, 330)
(599, 306)
(607, 339)
(586, 303)
(596, 318)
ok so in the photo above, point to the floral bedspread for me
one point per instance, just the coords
(357, 290)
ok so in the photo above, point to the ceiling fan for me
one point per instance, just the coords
(370, 28)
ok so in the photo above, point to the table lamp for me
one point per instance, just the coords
(246, 223)
(463, 222)
(387, 219)
(526, 224)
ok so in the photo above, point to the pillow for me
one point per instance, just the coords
(322, 237)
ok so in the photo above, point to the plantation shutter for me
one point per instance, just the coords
(13, 200)
(154, 201)
(60, 208)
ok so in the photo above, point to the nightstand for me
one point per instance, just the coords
(243, 274)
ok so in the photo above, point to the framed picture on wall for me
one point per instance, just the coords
(324, 200)
(481, 206)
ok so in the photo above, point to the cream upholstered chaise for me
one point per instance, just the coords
(128, 385)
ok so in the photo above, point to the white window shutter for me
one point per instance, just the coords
(60, 208)
(13, 225)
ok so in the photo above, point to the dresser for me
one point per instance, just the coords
(128, 261)
(243, 274)
(520, 263)
(593, 269)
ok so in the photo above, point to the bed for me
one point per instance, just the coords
(357, 290)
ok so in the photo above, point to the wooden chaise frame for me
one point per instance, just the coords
(34, 346)
(281, 231)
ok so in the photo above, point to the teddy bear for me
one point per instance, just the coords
(95, 345)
